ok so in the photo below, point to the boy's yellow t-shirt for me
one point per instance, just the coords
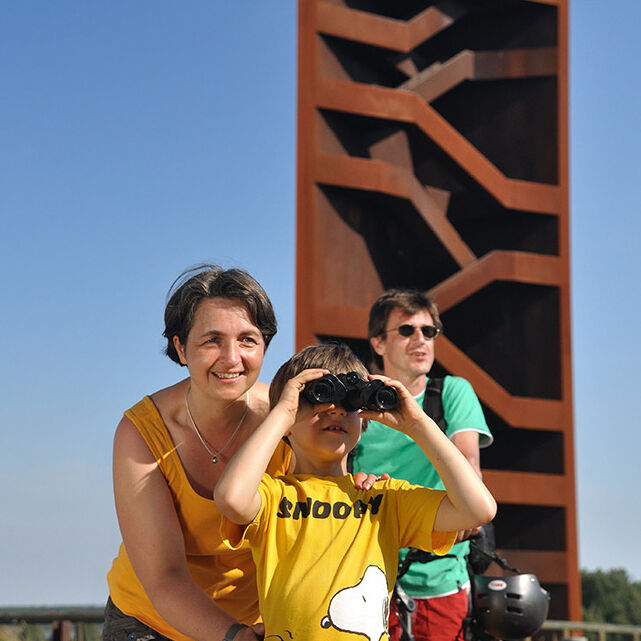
(326, 553)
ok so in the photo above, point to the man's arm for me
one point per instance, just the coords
(467, 444)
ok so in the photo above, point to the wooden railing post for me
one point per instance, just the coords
(61, 630)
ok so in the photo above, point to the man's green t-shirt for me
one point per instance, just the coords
(383, 449)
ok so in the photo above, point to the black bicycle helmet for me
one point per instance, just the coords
(510, 607)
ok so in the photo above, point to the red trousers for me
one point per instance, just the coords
(436, 619)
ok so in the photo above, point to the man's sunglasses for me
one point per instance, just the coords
(407, 330)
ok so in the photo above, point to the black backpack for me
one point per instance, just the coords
(433, 402)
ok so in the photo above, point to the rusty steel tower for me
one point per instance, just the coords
(433, 153)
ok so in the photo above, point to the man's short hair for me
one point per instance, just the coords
(410, 301)
(338, 358)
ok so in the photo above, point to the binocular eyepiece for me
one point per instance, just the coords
(352, 392)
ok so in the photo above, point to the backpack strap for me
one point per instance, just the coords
(433, 402)
(433, 407)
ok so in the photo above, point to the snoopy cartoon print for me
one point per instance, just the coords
(363, 608)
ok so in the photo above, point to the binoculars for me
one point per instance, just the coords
(352, 392)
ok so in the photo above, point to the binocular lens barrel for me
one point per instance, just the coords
(386, 398)
(322, 392)
(352, 392)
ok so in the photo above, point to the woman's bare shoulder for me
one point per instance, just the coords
(129, 443)
(259, 394)
(261, 390)
(170, 399)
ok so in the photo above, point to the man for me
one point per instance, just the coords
(403, 326)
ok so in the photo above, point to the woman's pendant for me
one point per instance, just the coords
(214, 459)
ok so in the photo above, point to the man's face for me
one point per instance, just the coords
(405, 357)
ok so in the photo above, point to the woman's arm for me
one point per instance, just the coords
(155, 545)
(468, 502)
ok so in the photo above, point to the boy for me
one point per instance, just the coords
(326, 553)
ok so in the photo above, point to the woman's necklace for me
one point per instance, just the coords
(216, 453)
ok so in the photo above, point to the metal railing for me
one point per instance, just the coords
(576, 630)
(68, 623)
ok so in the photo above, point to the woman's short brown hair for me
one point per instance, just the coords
(210, 281)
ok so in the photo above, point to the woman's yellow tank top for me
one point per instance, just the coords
(228, 576)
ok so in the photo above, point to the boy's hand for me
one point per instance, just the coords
(290, 397)
(405, 417)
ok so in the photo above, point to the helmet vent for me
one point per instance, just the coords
(513, 595)
(514, 610)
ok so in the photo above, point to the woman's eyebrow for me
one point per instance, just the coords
(211, 332)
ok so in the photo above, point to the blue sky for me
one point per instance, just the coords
(137, 139)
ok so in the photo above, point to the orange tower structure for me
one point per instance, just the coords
(433, 153)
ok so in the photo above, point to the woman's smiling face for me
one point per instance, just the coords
(224, 349)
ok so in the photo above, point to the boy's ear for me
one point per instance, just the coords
(378, 344)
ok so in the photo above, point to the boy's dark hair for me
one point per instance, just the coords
(210, 281)
(409, 301)
(338, 358)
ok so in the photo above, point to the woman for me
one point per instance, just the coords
(173, 577)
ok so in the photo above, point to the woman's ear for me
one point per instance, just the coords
(180, 350)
